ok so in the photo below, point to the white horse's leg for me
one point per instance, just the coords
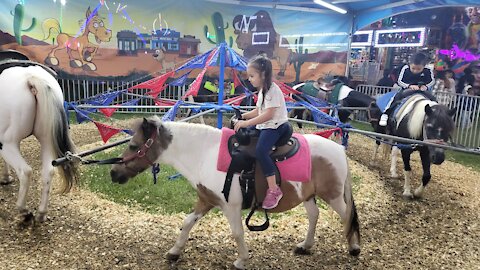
(312, 212)
(338, 204)
(393, 164)
(11, 154)
(407, 170)
(6, 177)
(406, 187)
(234, 216)
(47, 174)
(200, 210)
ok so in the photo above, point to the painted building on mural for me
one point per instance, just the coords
(128, 43)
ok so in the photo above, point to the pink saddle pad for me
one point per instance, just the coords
(296, 168)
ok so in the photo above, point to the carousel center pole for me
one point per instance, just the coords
(221, 80)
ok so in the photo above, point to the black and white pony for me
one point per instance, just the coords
(344, 97)
(422, 119)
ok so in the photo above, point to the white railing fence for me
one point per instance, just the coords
(467, 114)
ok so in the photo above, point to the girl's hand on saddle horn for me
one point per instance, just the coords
(423, 88)
(240, 124)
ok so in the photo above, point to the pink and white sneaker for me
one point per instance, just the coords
(272, 198)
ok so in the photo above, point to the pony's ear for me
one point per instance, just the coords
(428, 110)
(452, 112)
(88, 12)
(146, 128)
(145, 123)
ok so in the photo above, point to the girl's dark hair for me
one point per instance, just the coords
(420, 59)
(263, 65)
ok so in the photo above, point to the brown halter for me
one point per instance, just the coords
(141, 154)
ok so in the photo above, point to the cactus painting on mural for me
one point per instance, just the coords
(299, 58)
(18, 16)
(219, 36)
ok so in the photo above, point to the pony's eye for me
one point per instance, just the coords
(95, 25)
(101, 24)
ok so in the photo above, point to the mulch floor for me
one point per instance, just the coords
(85, 231)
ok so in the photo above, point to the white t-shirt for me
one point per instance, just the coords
(273, 99)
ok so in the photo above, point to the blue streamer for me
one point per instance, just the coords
(81, 115)
(180, 81)
(132, 102)
(172, 112)
(104, 99)
(197, 62)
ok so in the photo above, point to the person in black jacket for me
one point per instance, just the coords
(386, 80)
(414, 76)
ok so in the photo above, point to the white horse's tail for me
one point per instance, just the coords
(51, 112)
(352, 225)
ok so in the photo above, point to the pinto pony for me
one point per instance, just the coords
(32, 104)
(155, 141)
(422, 119)
(86, 50)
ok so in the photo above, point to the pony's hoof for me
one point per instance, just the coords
(407, 195)
(51, 61)
(25, 219)
(302, 251)
(75, 63)
(173, 257)
(6, 180)
(89, 67)
(40, 218)
(354, 250)
(418, 193)
(394, 175)
(238, 264)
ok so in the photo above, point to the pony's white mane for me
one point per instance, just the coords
(415, 122)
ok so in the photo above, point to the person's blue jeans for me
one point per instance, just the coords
(266, 140)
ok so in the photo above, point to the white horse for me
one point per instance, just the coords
(32, 103)
(176, 143)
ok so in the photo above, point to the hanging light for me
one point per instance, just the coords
(330, 6)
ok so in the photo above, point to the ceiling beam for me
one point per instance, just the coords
(347, 1)
(275, 5)
(393, 5)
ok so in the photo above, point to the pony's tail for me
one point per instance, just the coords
(50, 25)
(50, 109)
(352, 225)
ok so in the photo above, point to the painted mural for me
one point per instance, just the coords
(121, 38)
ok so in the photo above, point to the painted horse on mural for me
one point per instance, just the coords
(93, 24)
(32, 104)
(418, 117)
(256, 33)
(164, 142)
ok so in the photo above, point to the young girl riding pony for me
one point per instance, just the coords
(270, 118)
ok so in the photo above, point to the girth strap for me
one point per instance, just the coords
(8, 63)
(240, 162)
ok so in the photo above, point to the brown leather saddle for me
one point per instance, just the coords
(12, 58)
(253, 183)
